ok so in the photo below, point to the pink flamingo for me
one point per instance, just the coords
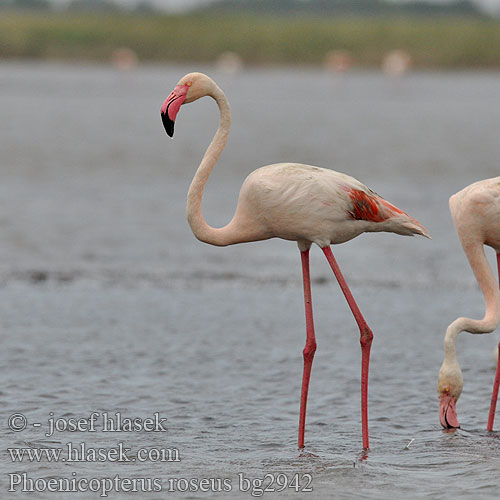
(476, 214)
(295, 202)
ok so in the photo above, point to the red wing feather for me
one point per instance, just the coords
(366, 206)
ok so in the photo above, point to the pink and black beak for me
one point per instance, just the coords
(171, 107)
(448, 411)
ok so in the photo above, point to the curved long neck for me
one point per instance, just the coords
(491, 293)
(200, 228)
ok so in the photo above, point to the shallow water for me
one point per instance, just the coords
(109, 304)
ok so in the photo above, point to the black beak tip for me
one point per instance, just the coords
(168, 124)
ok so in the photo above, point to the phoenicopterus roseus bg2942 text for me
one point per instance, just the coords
(476, 214)
(295, 202)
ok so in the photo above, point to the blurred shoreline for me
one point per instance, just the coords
(257, 40)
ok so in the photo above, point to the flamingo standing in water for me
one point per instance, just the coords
(476, 214)
(294, 202)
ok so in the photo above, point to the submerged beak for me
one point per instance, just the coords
(448, 411)
(171, 107)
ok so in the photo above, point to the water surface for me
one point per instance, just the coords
(109, 304)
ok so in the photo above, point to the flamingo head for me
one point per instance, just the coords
(190, 88)
(450, 384)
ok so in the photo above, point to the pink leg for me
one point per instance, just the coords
(494, 395)
(496, 384)
(310, 347)
(366, 337)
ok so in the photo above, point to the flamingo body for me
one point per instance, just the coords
(295, 202)
(476, 212)
(310, 204)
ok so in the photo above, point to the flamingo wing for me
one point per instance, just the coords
(368, 206)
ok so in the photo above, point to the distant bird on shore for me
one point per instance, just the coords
(396, 63)
(294, 202)
(229, 63)
(124, 59)
(476, 214)
(338, 61)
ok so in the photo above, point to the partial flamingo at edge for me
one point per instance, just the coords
(476, 214)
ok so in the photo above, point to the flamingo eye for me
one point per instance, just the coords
(188, 84)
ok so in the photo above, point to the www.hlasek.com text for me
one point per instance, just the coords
(81, 452)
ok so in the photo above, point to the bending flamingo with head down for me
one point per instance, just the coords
(476, 214)
(294, 202)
